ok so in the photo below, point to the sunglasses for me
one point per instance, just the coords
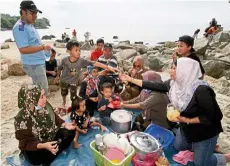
(136, 66)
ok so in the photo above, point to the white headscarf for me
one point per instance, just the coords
(187, 80)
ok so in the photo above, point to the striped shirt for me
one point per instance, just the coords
(111, 62)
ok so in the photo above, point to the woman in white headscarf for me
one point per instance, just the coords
(200, 116)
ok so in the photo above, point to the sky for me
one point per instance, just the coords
(129, 19)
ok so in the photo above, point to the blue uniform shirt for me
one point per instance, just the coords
(26, 35)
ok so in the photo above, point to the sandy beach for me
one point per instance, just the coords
(11, 85)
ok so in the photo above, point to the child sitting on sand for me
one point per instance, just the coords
(104, 103)
(81, 118)
(89, 89)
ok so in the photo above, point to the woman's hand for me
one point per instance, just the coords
(122, 105)
(84, 131)
(125, 77)
(182, 119)
(51, 146)
(69, 126)
(114, 70)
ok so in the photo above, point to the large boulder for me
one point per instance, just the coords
(170, 44)
(47, 37)
(4, 74)
(125, 54)
(224, 86)
(201, 45)
(123, 46)
(16, 69)
(155, 62)
(226, 49)
(124, 42)
(222, 37)
(214, 68)
(226, 73)
(5, 46)
(59, 45)
(9, 40)
(223, 45)
(142, 49)
(86, 46)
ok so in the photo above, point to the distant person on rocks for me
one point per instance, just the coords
(74, 34)
(185, 49)
(195, 35)
(30, 46)
(213, 22)
(51, 65)
(63, 37)
(98, 51)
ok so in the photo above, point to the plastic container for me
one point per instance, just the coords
(137, 162)
(164, 136)
(104, 161)
(115, 154)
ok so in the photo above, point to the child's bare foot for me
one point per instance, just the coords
(76, 145)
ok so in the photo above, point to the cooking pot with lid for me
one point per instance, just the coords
(121, 121)
(146, 146)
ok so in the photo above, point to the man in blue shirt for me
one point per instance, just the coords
(29, 44)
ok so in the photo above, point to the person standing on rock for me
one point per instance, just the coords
(98, 51)
(30, 46)
(185, 49)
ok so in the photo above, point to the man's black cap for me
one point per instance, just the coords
(108, 45)
(188, 40)
(29, 5)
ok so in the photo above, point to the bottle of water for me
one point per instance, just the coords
(98, 140)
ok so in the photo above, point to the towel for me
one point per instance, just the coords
(183, 157)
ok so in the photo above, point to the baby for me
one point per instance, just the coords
(81, 118)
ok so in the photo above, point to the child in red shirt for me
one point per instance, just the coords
(98, 50)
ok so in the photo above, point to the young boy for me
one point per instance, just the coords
(98, 50)
(51, 65)
(81, 118)
(89, 89)
(104, 110)
(71, 68)
(185, 48)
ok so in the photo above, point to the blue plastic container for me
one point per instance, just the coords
(164, 136)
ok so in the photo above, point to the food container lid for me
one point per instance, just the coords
(121, 116)
(144, 142)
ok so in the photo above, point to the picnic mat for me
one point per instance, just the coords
(82, 156)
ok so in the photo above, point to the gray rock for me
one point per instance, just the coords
(48, 37)
(86, 46)
(170, 44)
(116, 50)
(226, 49)
(126, 65)
(155, 62)
(59, 45)
(223, 44)
(155, 48)
(222, 37)
(168, 51)
(214, 68)
(142, 49)
(219, 55)
(152, 52)
(139, 42)
(124, 42)
(125, 54)
(226, 73)
(16, 69)
(123, 46)
(201, 45)
(214, 44)
(4, 74)
(9, 40)
(5, 46)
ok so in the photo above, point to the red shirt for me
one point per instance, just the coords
(96, 54)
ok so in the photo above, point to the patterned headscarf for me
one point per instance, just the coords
(42, 121)
(91, 81)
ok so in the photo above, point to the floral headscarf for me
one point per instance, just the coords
(42, 121)
(91, 81)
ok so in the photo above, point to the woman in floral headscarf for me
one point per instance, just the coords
(41, 133)
(89, 89)
(131, 91)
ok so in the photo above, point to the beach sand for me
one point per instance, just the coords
(11, 85)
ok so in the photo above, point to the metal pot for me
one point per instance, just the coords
(121, 121)
(146, 146)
